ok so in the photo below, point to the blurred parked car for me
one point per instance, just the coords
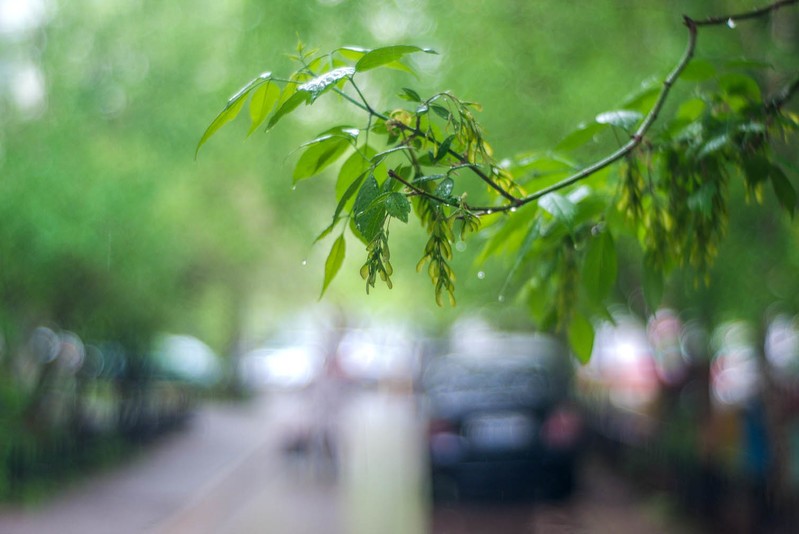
(501, 422)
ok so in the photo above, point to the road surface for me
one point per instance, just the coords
(229, 472)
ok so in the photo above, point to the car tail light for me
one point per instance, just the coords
(562, 429)
(440, 426)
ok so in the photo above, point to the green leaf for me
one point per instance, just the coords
(410, 95)
(691, 109)
(397, 206)
(352, 53)
(583, 135)
(737, 84)
(232, 109)
(429, 178)
(786, 194)
(747, 64)
(348, 194)
(325, 81)
(581, 337)
(386, 55)
(326, 232)
(757, 168)
(561, 209)
(507, 237)
(714, 145)
(368, 215)
(621, 118)
(653, 284)
(300, 97)
(600, 268)
(334, 261)
(444, 189)
(352, 168)
(441, 111)
(530, 238)
(443, 148)
(263, 101)
(323, 151)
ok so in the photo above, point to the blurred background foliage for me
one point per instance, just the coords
(108, 223)
(111, 229)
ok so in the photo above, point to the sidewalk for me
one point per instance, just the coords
(154, 487)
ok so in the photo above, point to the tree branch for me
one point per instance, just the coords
(416, 190)
(652, 116)
(755, 13)
(464, 162)
(782, 97)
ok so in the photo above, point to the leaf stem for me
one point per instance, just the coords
(418, 191)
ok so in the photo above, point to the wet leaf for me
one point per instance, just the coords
(397, 206)
(621, 118)
(444, 189)
(368, 215)
(325, 81)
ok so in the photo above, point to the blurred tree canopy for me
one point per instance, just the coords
(654, 177)
(108, 227)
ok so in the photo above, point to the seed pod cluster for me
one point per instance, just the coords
(378, 262)
(438, 252)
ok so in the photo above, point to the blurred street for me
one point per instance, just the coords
(230, 473)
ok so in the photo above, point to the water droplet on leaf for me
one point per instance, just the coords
(481, 275)
(731, 23)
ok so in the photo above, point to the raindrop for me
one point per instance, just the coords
(304, 262)
(481, 275)
(731, 23)
(293, 187)
(501, 298)
(460, 246)
(489, 212)
(513, 209)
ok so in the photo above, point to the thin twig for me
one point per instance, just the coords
(755, 13)
(782, 97)
(418, 191)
